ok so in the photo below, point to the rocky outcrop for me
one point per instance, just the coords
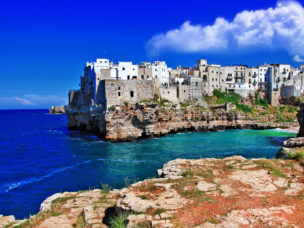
(230, 192)
(300, 117)
(57, 110)
(128, 123)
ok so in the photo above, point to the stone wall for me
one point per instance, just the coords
(183, 93)
(120, 92)
(169, 93)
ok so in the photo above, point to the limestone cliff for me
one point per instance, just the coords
(150, 119)
(300, 117)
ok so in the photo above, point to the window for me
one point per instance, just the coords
(184, 91)
(128, 77)
(196, 83)
(147, 76)
(123, 68)
(118, 87)
(131, 93)
(142, 76)
(119, 94)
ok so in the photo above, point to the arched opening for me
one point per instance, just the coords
(205, 78)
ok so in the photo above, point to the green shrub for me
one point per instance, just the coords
(260, 101)
(126, 104)
(244, 108)
(119, 221)
(112, 108)
(224, 97)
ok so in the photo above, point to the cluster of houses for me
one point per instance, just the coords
(106, 83)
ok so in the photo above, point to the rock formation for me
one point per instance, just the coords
(300, 117)
(130, 122)
(230, 192)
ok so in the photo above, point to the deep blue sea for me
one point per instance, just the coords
(39, 157)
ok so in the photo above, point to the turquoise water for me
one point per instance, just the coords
(39, 157)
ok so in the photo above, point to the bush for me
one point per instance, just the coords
(184, 105)
(126, 104)
(112, 108)
(119, 221)
(224, 97)
(244, 108)
(260, 101)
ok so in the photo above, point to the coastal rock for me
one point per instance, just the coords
(46, 204)
(260, 180)
(294, 142)
(300, 117)
(128, 123)
(230, 192)
(205, 186)
(6, 220)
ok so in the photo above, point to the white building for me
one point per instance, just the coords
(127, 71)
(160, 71)
(262, 75)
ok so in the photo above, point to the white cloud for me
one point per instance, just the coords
(298, 59)
(32, 101)
(23, 101)
(281, 27)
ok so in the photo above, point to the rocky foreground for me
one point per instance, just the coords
(230, 192)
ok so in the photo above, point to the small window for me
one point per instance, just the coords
(118, 87)
(119, 94)
(131, 93)
(123, 68)
(142, 76)
(147, 76)
(196, 83)
(128, 77)
(184, 91)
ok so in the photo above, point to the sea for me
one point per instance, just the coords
(40, 157)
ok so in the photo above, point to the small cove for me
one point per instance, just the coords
(39, 157)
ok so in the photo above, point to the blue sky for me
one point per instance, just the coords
(45, 44)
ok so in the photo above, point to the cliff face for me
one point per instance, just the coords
(150, 120)
(300, 117)
(130, 122)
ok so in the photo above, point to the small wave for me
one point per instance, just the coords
(11, 186)
(289, 130)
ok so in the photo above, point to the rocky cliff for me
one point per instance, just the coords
(150, 119)
(300, 117)
(230, 192)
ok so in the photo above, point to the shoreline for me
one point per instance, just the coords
(167, 196)
(291, 127)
